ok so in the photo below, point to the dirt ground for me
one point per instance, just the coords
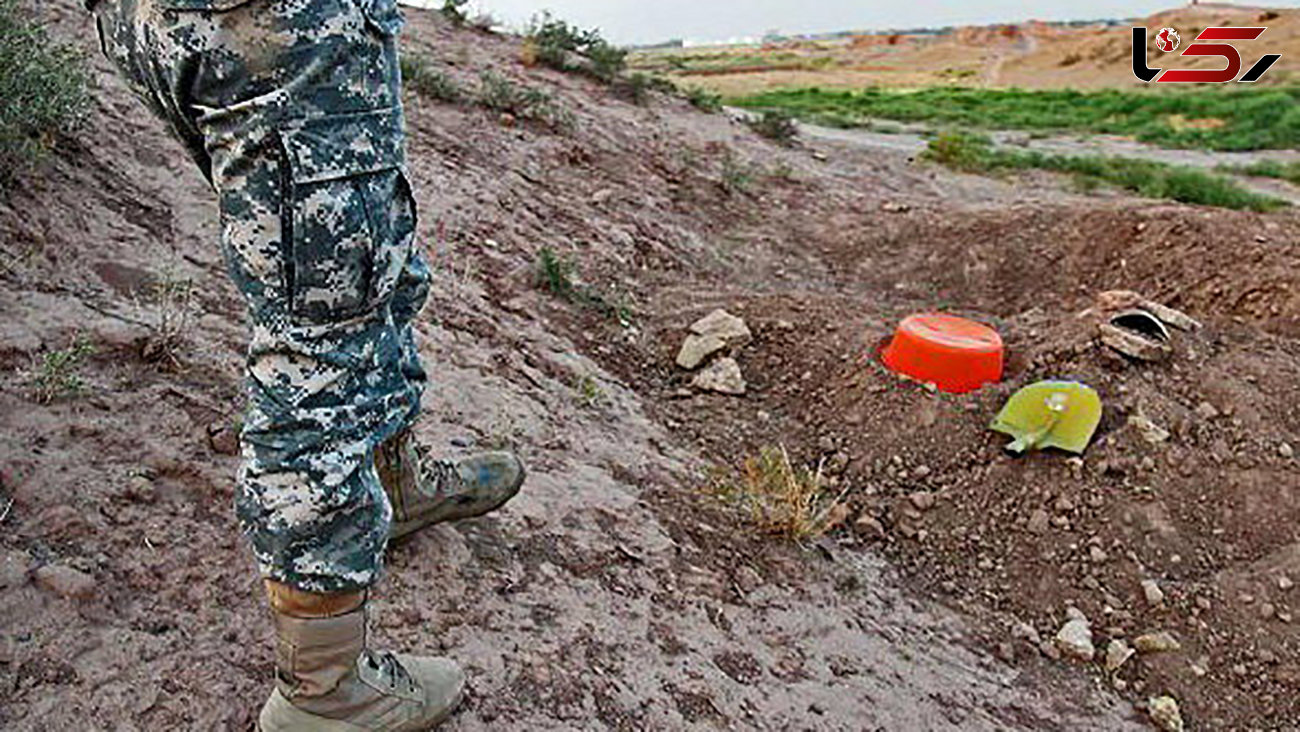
(615, 593)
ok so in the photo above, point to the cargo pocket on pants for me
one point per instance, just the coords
(337, 210)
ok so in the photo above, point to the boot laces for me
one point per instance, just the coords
(391, 669)
(440, 473)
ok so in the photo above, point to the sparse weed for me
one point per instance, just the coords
(704, 100)
(737, 176)
(776, 125)
(43, 85)
(500, 94)
(555, 273)
(171, 302)
(588, 393)
(54, 375)
(782, 499)
(638, 86)
(419, 75)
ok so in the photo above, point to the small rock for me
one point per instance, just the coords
(1117, 654)
(1284, 583)
(1162, 642)
(922, 501)
(1205, 410)
(1074, 613)
(1150, 431)
(1063, 505)
(1155, 596)
(1097, 555)
(697, 349)
(1038, 521)
(784, 325)
(223, 438)
(65, 582)
(730, 329)
(1006, 652)
(1050, 650)
(1267, 610)
(921, 471)
(1165, 715)
(870, 525)
(1027, 633)
(1285, 450)
(1075, 640)
(141, 490)
(895, 207)
(723, 376)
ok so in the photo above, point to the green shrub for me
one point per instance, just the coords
(500, 94)
(454, 10)
(777, 125)
(555, 273)
(704, 100)
(42, 91)
(555, 44)
(639, 85)
(423, 79)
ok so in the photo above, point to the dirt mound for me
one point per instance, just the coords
(613, 594)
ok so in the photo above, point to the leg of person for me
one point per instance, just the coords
(298, 111)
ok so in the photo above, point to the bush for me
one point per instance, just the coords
(500, 94)
(704, 100)
(43, 88)
(777, 125)
(782, 499)
(420, 76)
(454, 10)
(554, 43)
(638, 86)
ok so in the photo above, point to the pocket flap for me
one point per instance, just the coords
(343, 145)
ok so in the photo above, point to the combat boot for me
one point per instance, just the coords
(426, 491)
(327, 680)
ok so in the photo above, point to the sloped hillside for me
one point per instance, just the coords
(616, 593)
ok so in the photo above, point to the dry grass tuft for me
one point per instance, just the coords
(782, 499)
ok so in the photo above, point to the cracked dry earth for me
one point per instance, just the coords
(615, 593)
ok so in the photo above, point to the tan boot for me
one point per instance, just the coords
(425, 491)
(328, 681)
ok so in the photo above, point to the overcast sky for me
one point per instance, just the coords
(647, 21)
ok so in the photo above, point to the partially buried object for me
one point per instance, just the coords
(1060, 414)
(955, 354)
(1137, 334)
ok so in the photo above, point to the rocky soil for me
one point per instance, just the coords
(963, 590)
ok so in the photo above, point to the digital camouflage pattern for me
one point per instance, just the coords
(292, 108)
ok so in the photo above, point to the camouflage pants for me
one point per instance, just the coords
(292, 109)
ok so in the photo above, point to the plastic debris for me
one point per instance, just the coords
(1060, 414)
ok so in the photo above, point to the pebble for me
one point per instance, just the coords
(1075, 640)
(1117, 654)
(1165, 715)
(1097, 555)
(921, 471)
(723, 377)
(922, 501)
(65, 582)
(1286, 451)
(1284, 583)
(1038, 521)
(1154, 595)
(1267, 611)
(1162, 642)
(1027, 633)
(869, 525)
(1205, 410)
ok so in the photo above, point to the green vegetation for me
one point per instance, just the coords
(1215, 118)
(454, 10)
(419, 75)
(637, 86)
(976, 154)
(55, 376)
(500, 94)
(555, 43)
(1289, 172)
(42, 91)
(776, 125)
(588, 393)
(704, 100)
(557, 275)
